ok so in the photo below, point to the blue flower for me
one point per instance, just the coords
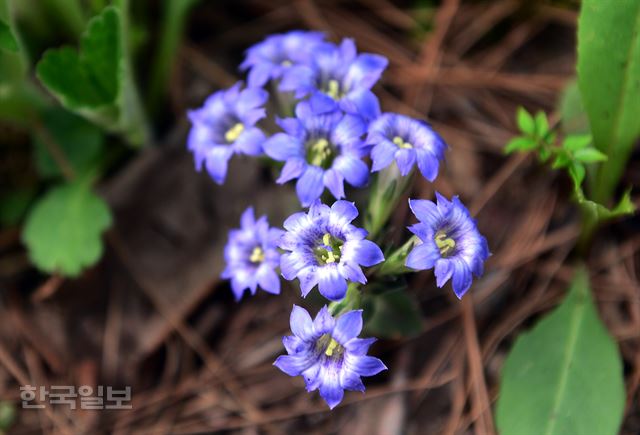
(327, 353)
(326, 249)
(224, 126)
(320, 151)
(338, 76)
(273, 58)
(252, 256)
(451, 242)
(407, 140)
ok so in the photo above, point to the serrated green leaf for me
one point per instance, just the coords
(525, 121)
(520, 143)
(609, 81)
(565, 375)
(90, 79)
(574, 117)
(589, 155)
(542, 124)
(79, 141)
(393, 314)
(7, 40)
(576, 142)
(63, 230)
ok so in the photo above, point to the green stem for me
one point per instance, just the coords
(386, 191)
(351, 301)
(395, 263)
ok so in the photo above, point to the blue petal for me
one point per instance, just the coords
(301, 323)
(365, 365)
(343, 211)
(461, 278)
(366, 252)
(282, 147)
(308, 278)
(349, 131)
(423, 257)
(361, 102)
(324, 322)
(382, 155)
(428, 164)
(355, 171)
(310, 185)
(293, 168)
(259, 75)
(321, 103)
(248, 219)
(352, 272)
(423, 231)
(331, 284)
(330, 389)
(217, 162)
(298, 79)
(348, 326)
(426, 211)
(293, 344)
(291, 126)
(443, 271)
(296, 222)
(350, 380)
(334, 182)
(250, 142)
(268, 279)
(359, 346)
(291, 264)
(293, 365)
(405, 159)
(365, 71)
(249, 99)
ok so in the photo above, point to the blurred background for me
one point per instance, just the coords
(111, 243)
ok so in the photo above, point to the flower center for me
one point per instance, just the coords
(286, 63)
(234, 132)
(321, 153)
(401, 143)
(445, 244)
(257, 255)
(330, 347)
(329, 250)
(333, 89)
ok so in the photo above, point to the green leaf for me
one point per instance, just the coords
(574, 117)
(599, 212)
(90, 79)
(542, 124)
(565, 375)
(393, 314)
(63, 231)
(525, 121)
(609, 81)
(576, 142)
(589, 155)
(563, 159)
(7, 39)
(521, 143)
(577, 173)
(80, 142)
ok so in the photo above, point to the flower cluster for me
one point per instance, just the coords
(329, 130)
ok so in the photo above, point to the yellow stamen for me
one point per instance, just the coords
(401, 143)
(234, 132)
(326, 239)
(320, 151)
(257, 255)
(333, 89)
(286, 63)
(333, 345)
(445, 244)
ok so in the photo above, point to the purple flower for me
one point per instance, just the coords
(273, 58)
(252, 256)
(224, 126)
(327, 353)
(320, 151)
(451, 242)
(407, 140)
(326, 250)
(338, 76)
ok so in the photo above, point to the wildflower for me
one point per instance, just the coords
(252, 256)
(273, 58)
(327, 353)
(450, 240)
(337, 76)
(407, 140)
(320, 151)
(326, 249)
(224, 126)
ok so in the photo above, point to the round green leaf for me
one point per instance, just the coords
(63, 230)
